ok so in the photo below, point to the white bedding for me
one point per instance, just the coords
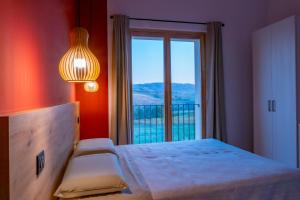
(209, 170)
(138, 189)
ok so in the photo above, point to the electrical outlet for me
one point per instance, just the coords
(40, 162)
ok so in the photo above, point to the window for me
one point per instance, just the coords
(167, 86)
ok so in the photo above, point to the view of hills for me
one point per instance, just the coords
(152, 93)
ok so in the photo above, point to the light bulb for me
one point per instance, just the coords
(91, 86)
(79, 63)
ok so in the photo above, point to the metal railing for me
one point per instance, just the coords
(149, 123)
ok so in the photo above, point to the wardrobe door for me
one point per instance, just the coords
(284, 84)
(262, 75)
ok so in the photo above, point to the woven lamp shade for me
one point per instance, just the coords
(79, 64)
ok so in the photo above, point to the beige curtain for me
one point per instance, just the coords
(215, 115)
(121, 123)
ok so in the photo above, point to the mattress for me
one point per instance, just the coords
(204, 169)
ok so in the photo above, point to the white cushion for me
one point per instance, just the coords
(91, 175)
(94, 146)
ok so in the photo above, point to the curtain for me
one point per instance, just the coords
(215, 113)
(121, 123)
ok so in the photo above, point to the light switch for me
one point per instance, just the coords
(40, 162)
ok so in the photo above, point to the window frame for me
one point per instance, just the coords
(167, 35)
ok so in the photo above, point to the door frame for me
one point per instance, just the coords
(167, 35)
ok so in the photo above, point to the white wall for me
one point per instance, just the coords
(241, 18)
(280, 9)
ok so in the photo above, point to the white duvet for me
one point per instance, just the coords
(208, 170)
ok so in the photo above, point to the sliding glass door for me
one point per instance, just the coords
(166, 86)
(186, 89)
(148, 89)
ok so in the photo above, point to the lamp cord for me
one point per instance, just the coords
(78, 13)
(90, 15)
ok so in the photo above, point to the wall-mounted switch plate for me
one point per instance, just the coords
(40, 162)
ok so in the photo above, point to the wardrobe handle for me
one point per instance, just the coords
(269, 105)
(273, 106)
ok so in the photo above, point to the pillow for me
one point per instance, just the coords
(91, 175)
(94, 146)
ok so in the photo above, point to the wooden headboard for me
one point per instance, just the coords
(23, 136)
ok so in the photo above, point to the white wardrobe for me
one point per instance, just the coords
(276, 85)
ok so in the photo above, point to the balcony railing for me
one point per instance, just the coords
(149, 123)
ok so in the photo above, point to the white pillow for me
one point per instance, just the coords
(94, 146)
(91, 175)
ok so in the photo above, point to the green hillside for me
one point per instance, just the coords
(152, 93)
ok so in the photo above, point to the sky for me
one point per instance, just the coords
(148, 63)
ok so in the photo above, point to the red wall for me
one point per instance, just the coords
(94, 106)
(33, 37)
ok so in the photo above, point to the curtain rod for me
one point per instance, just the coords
(162, 20)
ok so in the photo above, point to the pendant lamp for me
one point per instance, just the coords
(79, 64)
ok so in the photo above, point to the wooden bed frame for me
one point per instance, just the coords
(23, 136)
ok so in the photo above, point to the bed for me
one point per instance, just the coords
(204, 169)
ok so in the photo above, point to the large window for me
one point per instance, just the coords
(167, 86)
